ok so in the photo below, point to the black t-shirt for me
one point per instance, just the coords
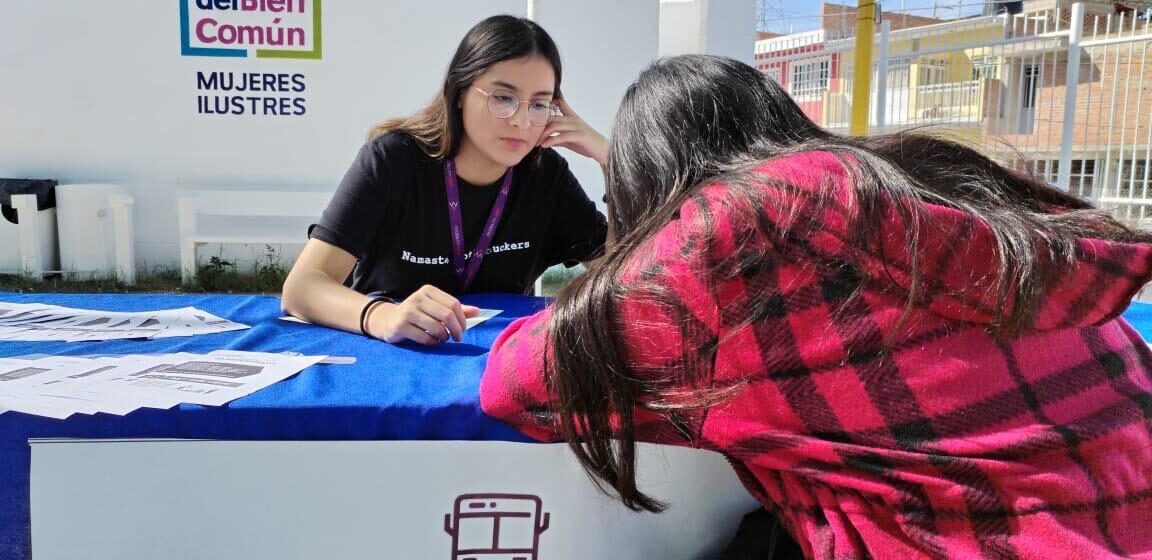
(391, 213)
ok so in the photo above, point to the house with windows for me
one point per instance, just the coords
(1000, 82)
(799, 63)
(815, 66)
(1111, 144)
(927, 77)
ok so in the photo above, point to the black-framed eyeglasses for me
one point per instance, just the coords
(503, 104)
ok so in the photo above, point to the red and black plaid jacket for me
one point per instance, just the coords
(875, 434)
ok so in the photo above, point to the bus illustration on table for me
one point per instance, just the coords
(496, 526)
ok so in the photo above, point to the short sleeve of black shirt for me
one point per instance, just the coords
(391, 212)
(571, 238)
(354, 216)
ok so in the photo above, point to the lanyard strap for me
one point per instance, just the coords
(465, 273)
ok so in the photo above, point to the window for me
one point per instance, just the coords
(1132, 178)
(1131, 202)
(1044, 169)
(933, 71)
(773, 72)
(809, 79)
(1031, 77)
(898, 75)
(986, 67)
(1081, 178)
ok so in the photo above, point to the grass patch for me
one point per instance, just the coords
(265, 276)
(156, 279)
(217, 275)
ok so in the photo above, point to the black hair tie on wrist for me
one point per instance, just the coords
(368, 307)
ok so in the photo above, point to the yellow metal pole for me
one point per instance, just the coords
(862, 79)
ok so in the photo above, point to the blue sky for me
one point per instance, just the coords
(803, 15)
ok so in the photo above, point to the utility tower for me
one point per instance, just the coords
(771, 15)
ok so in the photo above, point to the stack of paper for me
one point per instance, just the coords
(59, 386)
(40, 322)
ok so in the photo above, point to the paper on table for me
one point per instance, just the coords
(59, 386)
(212, 379)
(72, 373)
(30, 406)
(103, 387)
(22, 372)
(484, 315)
(12, 332)
(38, 322)
(196, 321)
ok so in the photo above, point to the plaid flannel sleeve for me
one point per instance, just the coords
(513, 387)
(656, 331)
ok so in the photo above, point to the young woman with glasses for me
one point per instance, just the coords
(903, 348)
(464, 196)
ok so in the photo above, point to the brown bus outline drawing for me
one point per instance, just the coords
(496, 507)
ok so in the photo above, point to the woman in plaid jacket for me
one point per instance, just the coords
(904, 349)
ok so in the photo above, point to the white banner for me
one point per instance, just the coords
(162, 96)
(177, 499)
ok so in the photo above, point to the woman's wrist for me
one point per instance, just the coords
(366, 314)
(601, 155)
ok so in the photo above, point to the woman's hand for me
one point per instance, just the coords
(568, 130)
(428, 316)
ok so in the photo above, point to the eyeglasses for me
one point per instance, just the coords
(503, 104)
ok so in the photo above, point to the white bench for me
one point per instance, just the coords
(89, 232)
(266, 206)
(35, 250)
(96, 227)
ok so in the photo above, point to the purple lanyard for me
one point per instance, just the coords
(466, 273)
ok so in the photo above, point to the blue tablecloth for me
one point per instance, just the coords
(390, 393)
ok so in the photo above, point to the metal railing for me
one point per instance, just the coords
(1061, 92)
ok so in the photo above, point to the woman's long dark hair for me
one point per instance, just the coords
(439, 127)
(694, 119)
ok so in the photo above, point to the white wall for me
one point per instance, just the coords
(604, 45)
(365, 499)
(681, 27)
(720, 27)
(731, 29)
(94, 92)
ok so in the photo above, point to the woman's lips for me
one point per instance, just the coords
(513, 143)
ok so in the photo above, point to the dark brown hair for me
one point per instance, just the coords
(698, 119)
(439, 127)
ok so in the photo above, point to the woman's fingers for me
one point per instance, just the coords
(565, 108)
(408, 331)
(428, 316)
(570, 131)
(556, 129)
(451, 313)
(548, 131)
(557, 139)
(439, 306)
(430, 324)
